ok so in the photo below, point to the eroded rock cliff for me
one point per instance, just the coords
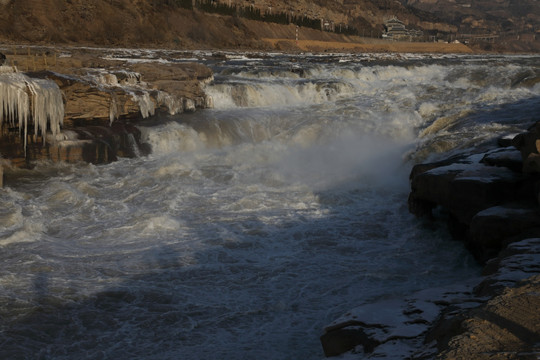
(101, 102)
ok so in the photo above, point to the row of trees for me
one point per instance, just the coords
(253, 13)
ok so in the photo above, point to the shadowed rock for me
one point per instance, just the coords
(466, 187)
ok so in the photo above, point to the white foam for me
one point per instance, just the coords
(275, 94)
(173, 138)
(29, 232)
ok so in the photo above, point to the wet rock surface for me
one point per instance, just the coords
(508, 325)
(490, 202)
(502, 230)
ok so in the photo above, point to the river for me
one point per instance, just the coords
(252, 225)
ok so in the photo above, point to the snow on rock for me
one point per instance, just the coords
(518, 261)
(464, 186)
(382, 328)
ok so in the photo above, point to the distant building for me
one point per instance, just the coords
(395, 29)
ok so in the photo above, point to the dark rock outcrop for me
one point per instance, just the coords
(528, 144)
(491, 201)
(495, 204)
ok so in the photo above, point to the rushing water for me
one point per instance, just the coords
(253, 225)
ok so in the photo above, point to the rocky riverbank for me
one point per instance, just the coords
(103, 97)
(491, 202)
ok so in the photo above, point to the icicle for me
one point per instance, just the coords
(15, 103)
(45, 104)
(189, 105)
(5, 69)
(146, 105)
(133, 145)
(173, 103)
(48, 107)
(113, 109)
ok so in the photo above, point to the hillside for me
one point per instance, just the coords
(512, 25)
(223, 24)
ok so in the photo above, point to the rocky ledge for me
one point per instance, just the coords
(101, 100)
(491, 202)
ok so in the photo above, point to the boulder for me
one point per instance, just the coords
(465, 187)
(491, 199)
(493, 203)
(528, 143)
(518, 261)
(491, 230)
(2, 59)
(506, 323)
(86, 102)
(497, 330)
(509, 158)
(340, 340)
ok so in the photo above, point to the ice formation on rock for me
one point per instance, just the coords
(174, 104)
(23, 99)
(6, 69)
(105, 78)
(146, 105)
(147, 99)
(47, 106)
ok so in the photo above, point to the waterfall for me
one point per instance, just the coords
(133, 145)
(23, 98)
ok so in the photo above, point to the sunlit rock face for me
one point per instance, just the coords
(84, 110)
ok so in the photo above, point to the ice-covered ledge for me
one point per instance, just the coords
(83, 106)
